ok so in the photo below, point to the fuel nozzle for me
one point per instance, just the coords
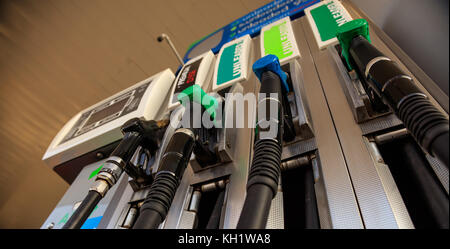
(262, 183)
(422, 119)
(172, 165)
(194, 99)
(136, 132)
(175, 160)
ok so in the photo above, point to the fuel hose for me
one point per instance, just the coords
(262, 184)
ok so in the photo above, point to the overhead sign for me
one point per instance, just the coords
(278, 39)
(324, 18)
(249, 24)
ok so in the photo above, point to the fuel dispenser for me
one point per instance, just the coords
(300, 123)
(209, 150)
(99, 143)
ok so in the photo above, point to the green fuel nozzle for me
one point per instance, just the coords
(196, 94)
(348, 31)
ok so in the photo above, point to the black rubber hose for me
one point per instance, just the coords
(311, 214)
(83, 211)
(172, 166)
(428, 126)
(157, 202)
(262, 184)
(214, 219)
(256, 207)
(439, 147)
(426, 185)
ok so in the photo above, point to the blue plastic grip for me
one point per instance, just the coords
(271, 63)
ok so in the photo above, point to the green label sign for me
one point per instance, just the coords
(230, 66)
(328, 17)
(277, 42)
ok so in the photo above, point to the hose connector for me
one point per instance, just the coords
(110, 173)
(101, 187)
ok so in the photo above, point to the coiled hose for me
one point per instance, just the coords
(172, 166)
(262, 184)
(428, 125)
(158, 201)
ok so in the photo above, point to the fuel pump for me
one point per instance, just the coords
(300, 164)
(120, 133)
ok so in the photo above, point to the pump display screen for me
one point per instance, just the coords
(107, 111)
(187, 78)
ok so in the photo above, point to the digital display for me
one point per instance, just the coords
(187, 78)
(106, 112)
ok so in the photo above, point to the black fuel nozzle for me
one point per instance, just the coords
(428, 125)
(162, 191)
(175, 159)
(136, 132)
(262, 184)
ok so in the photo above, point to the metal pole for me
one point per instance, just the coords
(174, 50)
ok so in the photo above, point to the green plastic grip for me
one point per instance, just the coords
(196, 94)
(347, 32)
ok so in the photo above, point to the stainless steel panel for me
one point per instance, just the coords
(341, 201)
(276, 213)
(187, 220)
(440, 170)
(243, 151)
(393, 194)
(323, 209)
(302, 121)
(372, 201)
(378, 199)
(298, 148)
